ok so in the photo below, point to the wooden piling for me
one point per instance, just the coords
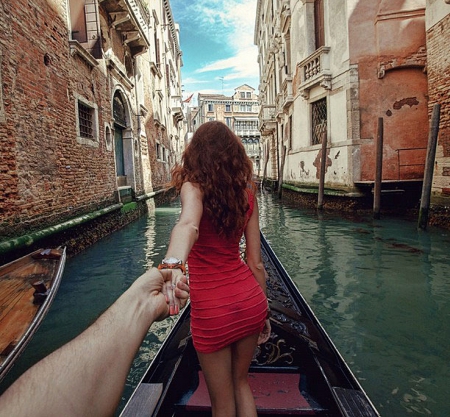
(378, 170)
(323, 165)
(283, 160)
(429, 168)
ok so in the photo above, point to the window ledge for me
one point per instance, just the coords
(77, 49)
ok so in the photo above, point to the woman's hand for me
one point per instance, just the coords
(265, 333)
(175, 289)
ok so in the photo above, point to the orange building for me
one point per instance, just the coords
(329, 69)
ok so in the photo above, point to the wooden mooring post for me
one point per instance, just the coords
(378, 170)
(429, 168)
(323, 165)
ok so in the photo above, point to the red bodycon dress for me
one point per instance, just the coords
(227, 302)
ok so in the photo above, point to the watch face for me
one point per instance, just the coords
(171, 261)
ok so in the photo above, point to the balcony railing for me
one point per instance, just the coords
(246, 132)
(286, 93)
(314, 71)
(267, 119)
(176, 107)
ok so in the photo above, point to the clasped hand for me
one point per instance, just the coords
(175, 290)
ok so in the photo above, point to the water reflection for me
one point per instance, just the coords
(380, 288)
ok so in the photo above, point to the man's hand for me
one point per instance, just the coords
(175, 289)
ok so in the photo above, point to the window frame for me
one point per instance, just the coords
(317, 129)
(94, 141)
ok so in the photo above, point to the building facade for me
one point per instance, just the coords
(329, 70)
(239, 112)
(438, 47)
(90, 114)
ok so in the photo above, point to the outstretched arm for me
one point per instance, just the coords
(87, 375)
(185, 232)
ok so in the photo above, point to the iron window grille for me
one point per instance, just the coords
(319, 120)
(85, 120)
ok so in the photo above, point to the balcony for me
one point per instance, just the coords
(131, 19)
(287, 97)
(267, 119)
(243, 132)
(176, 107)
(315, 71)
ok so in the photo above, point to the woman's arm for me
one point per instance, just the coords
(253, 248)
(255, 263)
(185, 232)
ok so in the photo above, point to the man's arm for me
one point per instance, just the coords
(86, 376)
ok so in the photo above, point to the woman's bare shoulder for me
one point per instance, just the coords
(192, 189)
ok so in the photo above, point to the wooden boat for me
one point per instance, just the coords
(299, 371)
(28, 286)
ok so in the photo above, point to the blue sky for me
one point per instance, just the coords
(216, 38)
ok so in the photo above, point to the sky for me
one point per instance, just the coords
(216, 39)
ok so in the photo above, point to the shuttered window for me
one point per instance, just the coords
(319, 29)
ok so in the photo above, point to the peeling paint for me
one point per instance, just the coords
(317, 162)
(409, 101)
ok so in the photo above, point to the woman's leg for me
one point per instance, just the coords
(217, 370)
(242, 353)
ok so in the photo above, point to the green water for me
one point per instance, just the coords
(380, 288)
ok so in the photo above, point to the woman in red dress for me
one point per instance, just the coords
(229, 307)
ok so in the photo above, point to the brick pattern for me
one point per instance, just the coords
(46, 176)
(438, 43)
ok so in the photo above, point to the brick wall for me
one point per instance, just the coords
(438, 43)
(46, 176)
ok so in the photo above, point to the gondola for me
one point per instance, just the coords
(299, 371)
(28, 286)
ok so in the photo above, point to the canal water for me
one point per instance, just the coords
(380, 288)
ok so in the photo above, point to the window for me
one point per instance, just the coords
(319, 30)
(319, 120)
(87, 122)
(108, 137)
(242, 94)
(84, 24)
(228, 121)
(210, 107)
(227, 107)
(158, 151)
(249, 94)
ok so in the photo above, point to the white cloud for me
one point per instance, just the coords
(230, 24)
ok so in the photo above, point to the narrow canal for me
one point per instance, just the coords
(380, 288)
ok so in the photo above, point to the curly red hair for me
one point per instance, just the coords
(216, 161)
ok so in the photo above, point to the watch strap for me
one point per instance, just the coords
(176, 265)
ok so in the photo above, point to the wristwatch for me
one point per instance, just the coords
(172, 263)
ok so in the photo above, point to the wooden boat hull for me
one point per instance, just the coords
(298, 371)
(28, 287)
